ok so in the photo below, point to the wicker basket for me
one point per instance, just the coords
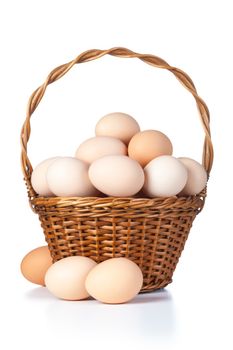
(151, 232)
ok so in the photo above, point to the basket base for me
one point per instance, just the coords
(154, 287)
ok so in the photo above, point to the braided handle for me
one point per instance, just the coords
(57, 73)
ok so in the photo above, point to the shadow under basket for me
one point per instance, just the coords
(150, 232)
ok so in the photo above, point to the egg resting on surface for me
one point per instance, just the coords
(114, 281)
(65, 279)
(35, 265)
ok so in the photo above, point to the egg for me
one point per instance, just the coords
(119, 125)
(116, 175)
(100, 146)
(197, 177)
(39, 180)
(147, 145)
(165, 176)
(114, 281)
(65, 279)
(35, 265)
(68, 177)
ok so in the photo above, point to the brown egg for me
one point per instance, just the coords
(35, 265)
(149, 144)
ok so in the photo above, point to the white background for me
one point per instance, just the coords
(195, 311)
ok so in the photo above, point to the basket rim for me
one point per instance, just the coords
(118, 206)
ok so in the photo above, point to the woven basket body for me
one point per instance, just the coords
(150, 232)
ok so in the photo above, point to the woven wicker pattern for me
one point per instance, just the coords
(151, 232)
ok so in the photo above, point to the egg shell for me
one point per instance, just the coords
(119, 125)
(100, 146)
(149, 144)
(35, 265)
(165, 176)
(65, 279)
(114, 281)
(39, 179)
(117, 176)
(197, 177)
(68, 177)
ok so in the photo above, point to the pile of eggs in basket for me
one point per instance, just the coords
(120, 161)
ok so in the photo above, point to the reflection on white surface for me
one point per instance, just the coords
(148, 316)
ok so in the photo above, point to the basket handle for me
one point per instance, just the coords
(57, 73)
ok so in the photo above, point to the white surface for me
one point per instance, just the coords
(196, 310)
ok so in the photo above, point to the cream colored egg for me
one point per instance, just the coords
(39, 180)
(68, 177)
(98, 147)
(149, 144)
(119, 125)
(114, 281)
(197, 177)
(66, 278)
(117, 176)
(165, 176)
